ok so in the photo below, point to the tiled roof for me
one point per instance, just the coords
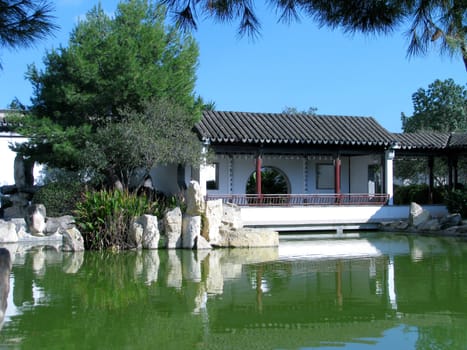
(458, 140)
(277, 128)
(423, 140)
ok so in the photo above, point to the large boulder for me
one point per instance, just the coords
(194, 199)
(191, 230)
(8, 232)
(173, 228)
(136, 234)
(59, 224)
(35, 219)
(418, 215)
(250, 238)
(23, 172)
(72, 240)
(213, 220)
(232, 217)
(151, 235)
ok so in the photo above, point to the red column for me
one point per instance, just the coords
(258, 174)
(337, 175)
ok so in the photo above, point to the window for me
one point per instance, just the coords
(325, 176)
(212, 176)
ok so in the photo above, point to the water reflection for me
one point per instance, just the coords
(377, 291)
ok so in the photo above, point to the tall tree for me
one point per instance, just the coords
(111, 65)
(22, 22)
(441, 107)
(439, 23)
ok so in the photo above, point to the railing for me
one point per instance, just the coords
(300, 200)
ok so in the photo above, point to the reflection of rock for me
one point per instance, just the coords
(174, 270)
(151, 264)
(214, 277)
(191, 266)
(72, 262)
(5, 268)
(38, 260)
(201, 299)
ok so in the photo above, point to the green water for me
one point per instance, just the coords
(375, 292)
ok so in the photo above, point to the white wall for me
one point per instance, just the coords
(301, 173)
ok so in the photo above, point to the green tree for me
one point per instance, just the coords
(23, 22)
(109, 71)
(294, 110)
(441, 107)
(437, 23)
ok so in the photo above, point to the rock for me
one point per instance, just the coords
(35, 219)
(213, 219)
(194, 199)
(8, 232)
(136, 234)
(202, 244)
(451, 220)
(191, 229)
(430, 225)
(418, 215)
(173, 228)
(151, 235)
(23, 172)
(250, 237)
(72, 240)
(59, 224)
(232, 217)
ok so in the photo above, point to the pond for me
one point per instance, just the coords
(376, 291)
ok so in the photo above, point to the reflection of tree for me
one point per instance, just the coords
(447, 337)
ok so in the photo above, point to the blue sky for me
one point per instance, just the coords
(298, 65)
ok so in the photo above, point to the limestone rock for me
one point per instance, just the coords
(418, 215)
(430, 225)
(151, 235)
(194, 199)
(8, 232)
(59, 224)
(232, 216)
(173, 228)
(213, 220)
(136, 234)
(451, 220)
(72, 240)
(23, 172)
(35, 219)
(251, 237)
(202, 244)
(191, 229)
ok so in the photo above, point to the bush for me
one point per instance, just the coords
(418, 193)
(59, 198)
(456, 202)
(105, 217)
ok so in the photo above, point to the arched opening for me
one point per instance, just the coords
(273, 181)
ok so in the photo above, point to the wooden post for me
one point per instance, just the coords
(258, 175)
(431, 180)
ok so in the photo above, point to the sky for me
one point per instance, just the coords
(298, 65)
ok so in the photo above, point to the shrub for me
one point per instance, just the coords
(418, 193)
(59, 198)
(105, 217)
(456, 202)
